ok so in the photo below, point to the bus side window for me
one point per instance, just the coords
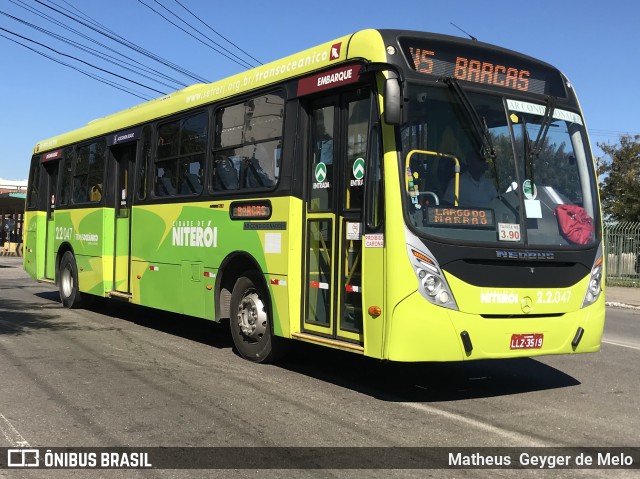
(357, 133)
(144, 162)
(34, 183)
(96, 170)
(322, 130)
(225, 174)
(247, 145)
(179, 164)
(191, 182)
(375, 188)
(80, 175)
(165, 179)
(88, 175)
(67, 172)
(95, 193)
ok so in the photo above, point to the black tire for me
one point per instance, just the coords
(251, 321)
(70, 294)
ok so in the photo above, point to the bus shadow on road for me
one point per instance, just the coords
(427, 382)
(199, 330)
(15, 320)
(411, 382)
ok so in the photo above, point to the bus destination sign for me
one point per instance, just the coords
(460, 217)
(254, 210)
(481, 65)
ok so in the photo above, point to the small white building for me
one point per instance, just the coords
(13, 186)
(12, 200)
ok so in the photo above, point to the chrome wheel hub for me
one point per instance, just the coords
(252, 318)
(66, 281)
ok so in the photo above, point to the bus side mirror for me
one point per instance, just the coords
(393, 101)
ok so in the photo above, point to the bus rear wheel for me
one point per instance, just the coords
(70, 294)
(251, 321)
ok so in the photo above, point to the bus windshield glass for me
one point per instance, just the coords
(488, 168)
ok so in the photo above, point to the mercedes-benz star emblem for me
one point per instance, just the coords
(526, 305)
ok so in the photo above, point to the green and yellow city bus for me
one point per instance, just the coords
(402, 195)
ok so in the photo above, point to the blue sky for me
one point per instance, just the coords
(594, 43)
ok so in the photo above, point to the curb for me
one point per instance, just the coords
(615, 304)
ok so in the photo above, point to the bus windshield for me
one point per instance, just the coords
(488, 168)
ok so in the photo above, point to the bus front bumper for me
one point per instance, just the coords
(420, 331)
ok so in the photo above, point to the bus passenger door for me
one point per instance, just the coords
(125, 156)
(51, 169)
(334, 216)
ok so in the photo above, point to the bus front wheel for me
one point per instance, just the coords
(70, 294)
(251, 326)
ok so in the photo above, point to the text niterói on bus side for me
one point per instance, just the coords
(186, 233)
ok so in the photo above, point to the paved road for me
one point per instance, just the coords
(118, 375)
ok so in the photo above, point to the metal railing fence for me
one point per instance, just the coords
(622, 250)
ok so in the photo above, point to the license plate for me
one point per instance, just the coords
(526, 341)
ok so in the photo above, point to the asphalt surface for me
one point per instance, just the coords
(116, 375)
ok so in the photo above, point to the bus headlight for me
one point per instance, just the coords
(594, 284)
(432, 284)
(594, 288)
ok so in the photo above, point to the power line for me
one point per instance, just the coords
(105, 28)
(595, 131)
(218, 33)
(82, 61)
(235, 55)
(85, 16)
(121, 61)
(128, 44)
(86, 37)
(236, 60)
(113, 84)
(86, 49)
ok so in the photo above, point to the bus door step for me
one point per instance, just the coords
(120, 295)
(332, 343)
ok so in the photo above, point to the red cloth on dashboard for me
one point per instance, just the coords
(575, 224)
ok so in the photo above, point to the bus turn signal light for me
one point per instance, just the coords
(375, 311)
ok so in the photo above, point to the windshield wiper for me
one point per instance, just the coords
(544, 126)
(533, 149)
(527, 146)
(483, 137)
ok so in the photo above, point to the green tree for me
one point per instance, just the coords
(619, 172)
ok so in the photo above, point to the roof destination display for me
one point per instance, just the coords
(482, 65)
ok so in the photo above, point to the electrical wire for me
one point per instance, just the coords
(86, 49)
(132, 65)
(93, 76)
(86, 37)
(128, 44)
(610, 133)
(218, 33)
(82, 61)
(235, 55)
(238, 61)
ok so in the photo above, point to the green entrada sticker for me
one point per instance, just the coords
(358, 172)
(358, 169)
(321, 175)
(321, 172)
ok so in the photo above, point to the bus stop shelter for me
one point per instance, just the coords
(12, 219)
